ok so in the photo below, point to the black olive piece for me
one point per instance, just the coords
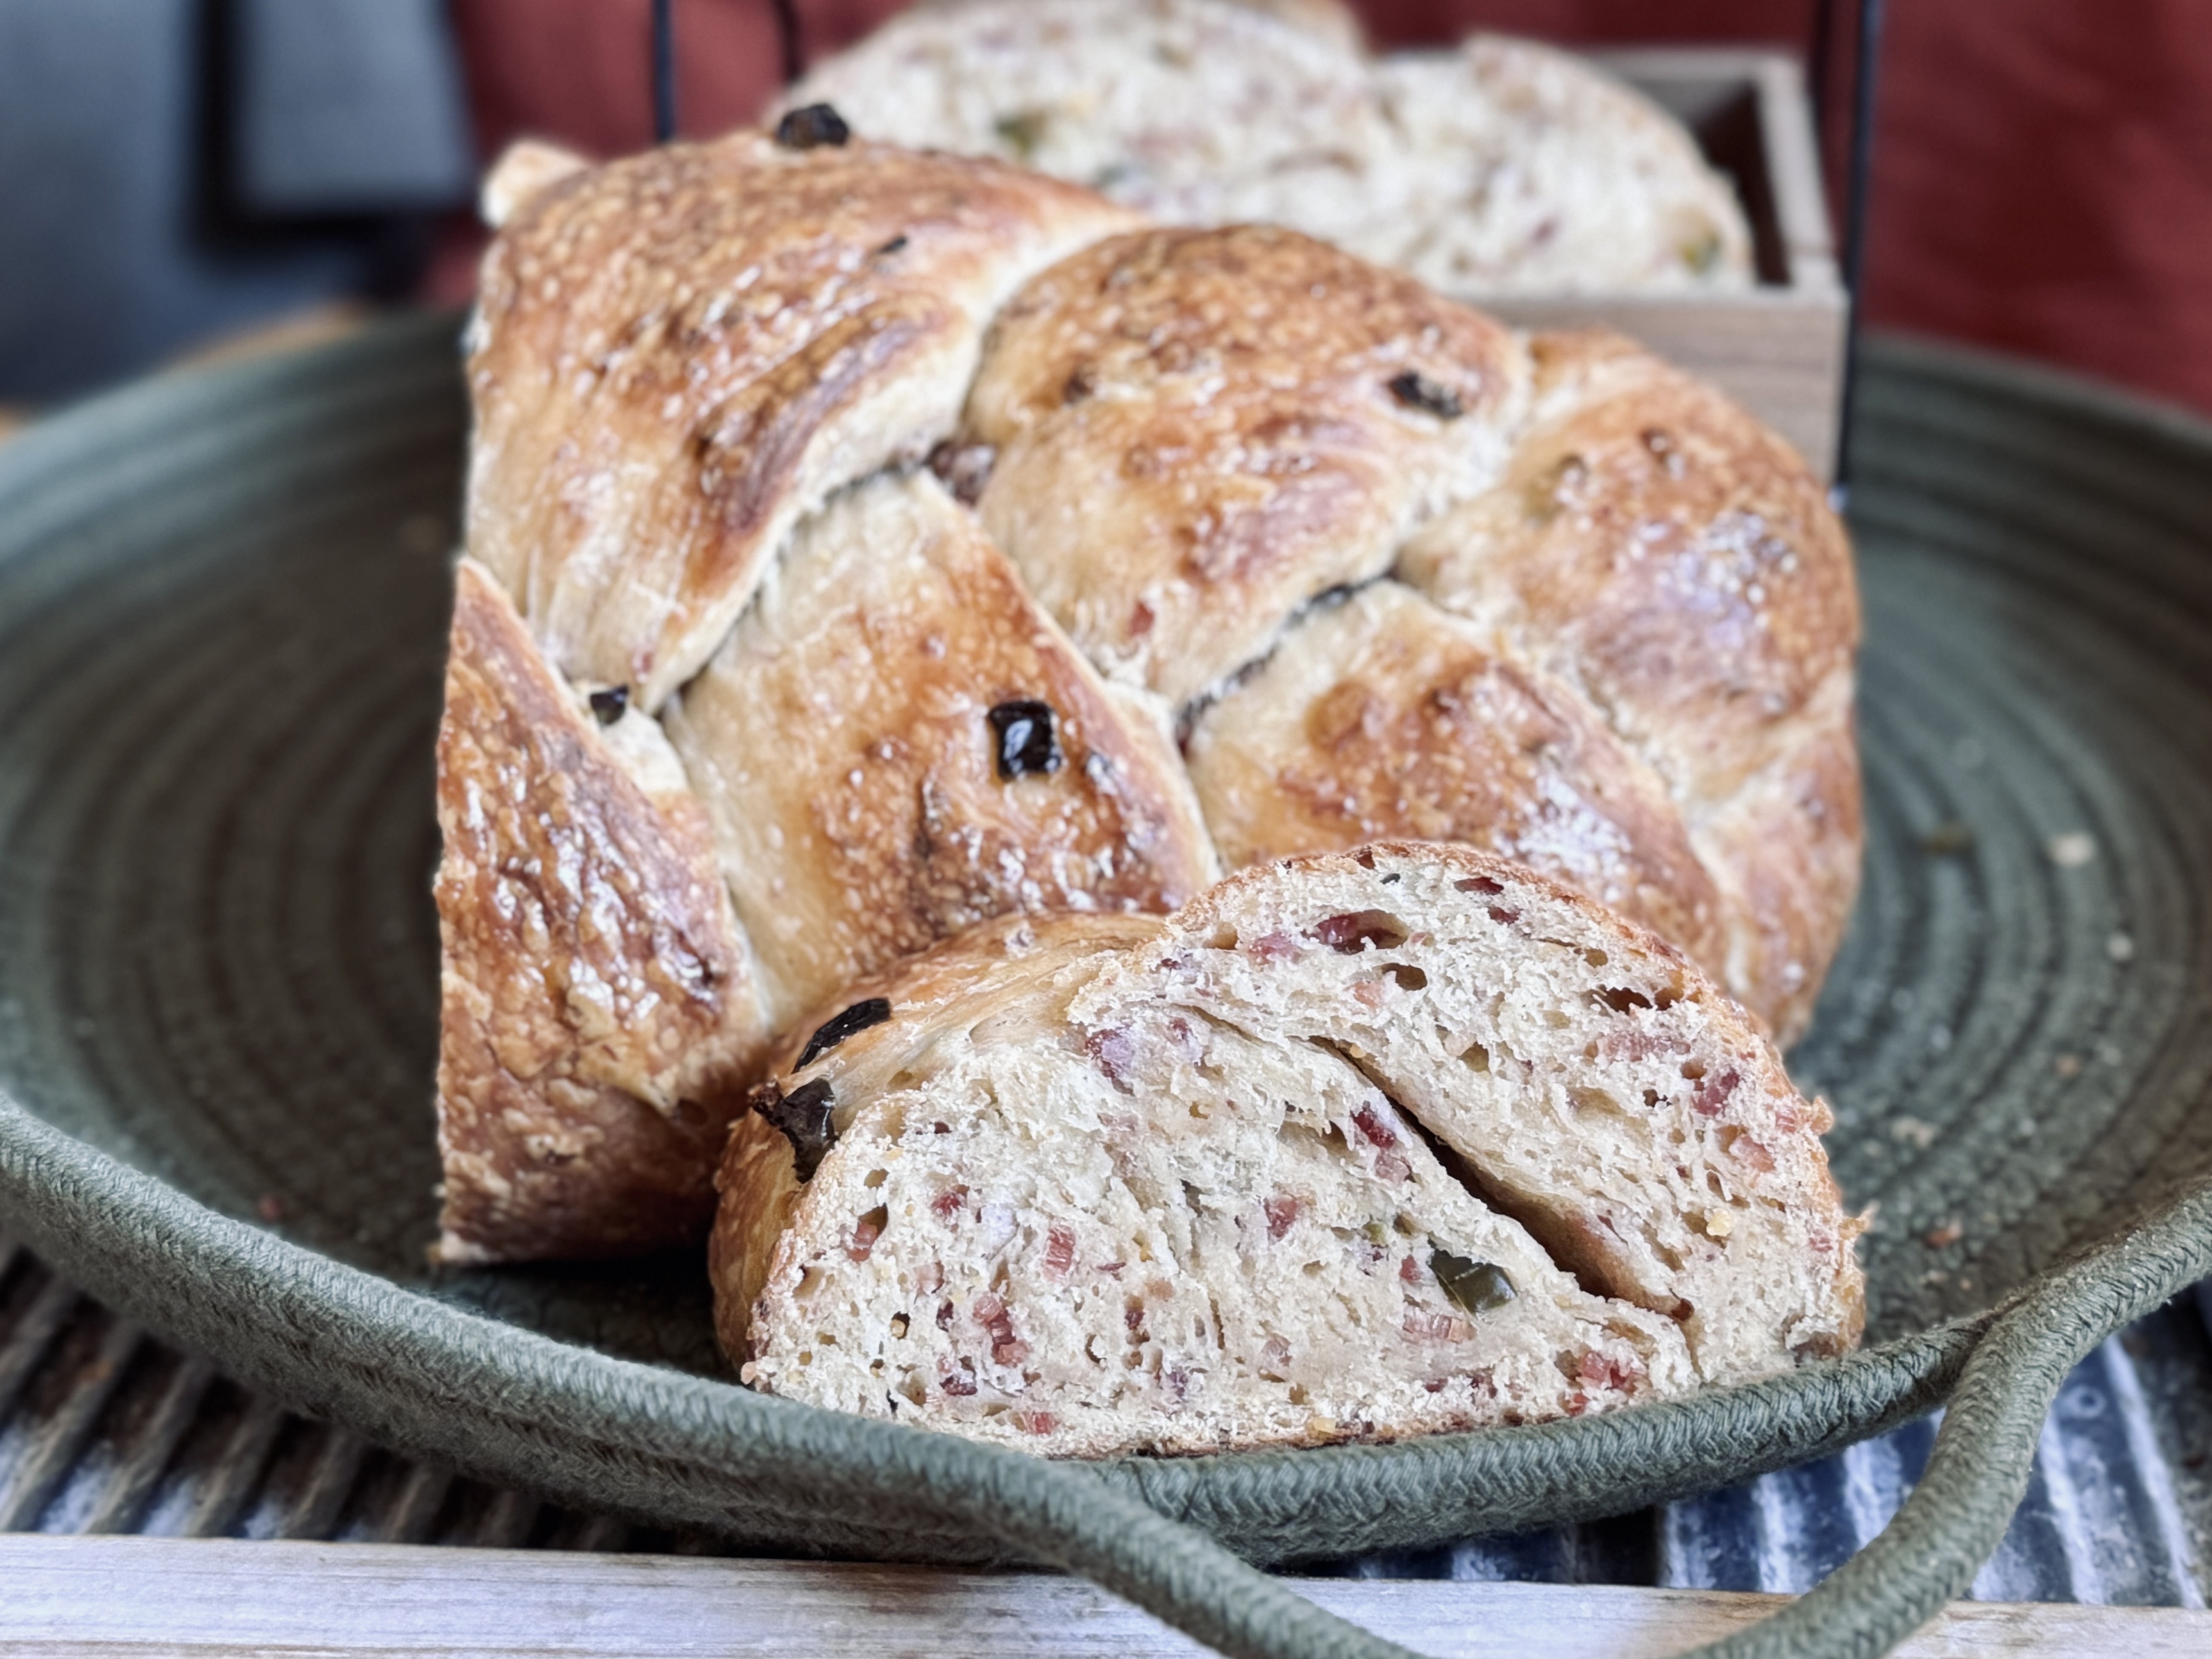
(1026, 741)
(1480, 1287)
(1417, 390)
(804, 1115)
(608, 705)
(853, 1021)
(891, 246)
(811, 127)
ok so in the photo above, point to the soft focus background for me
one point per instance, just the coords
(173, 172)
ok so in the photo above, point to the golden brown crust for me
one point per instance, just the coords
(599, 1023)
(678, 353)
(1658, 548)
(844, 741)
(1786, 848)
(1385, 719)
(1676, 552)
(1196, 433)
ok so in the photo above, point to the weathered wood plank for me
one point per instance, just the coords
(105, 1598)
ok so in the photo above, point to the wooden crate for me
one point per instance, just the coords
(1777, 348)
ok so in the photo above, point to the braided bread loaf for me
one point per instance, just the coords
(1353, 1145)
(1228, 543)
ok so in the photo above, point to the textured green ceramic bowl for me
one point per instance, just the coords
(223, 601)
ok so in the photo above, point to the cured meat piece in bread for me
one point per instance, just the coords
(1197, 432)
(678, 355)
(1385, 718)
(1355, 1145)
(1654, 546)
(895, 744)
(597, 1024)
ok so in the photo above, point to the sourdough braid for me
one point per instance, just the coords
(1353, 1145)
(702, 379)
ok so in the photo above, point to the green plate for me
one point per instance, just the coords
(223, 605)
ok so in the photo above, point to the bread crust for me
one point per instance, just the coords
(1657, 548)
(891, 633)
(1196, 432)
(704, 379)
(1384, 718)
(598, 1025)
(677, 354)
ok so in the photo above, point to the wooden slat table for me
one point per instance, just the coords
(105, 1598)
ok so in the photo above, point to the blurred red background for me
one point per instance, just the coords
(2043, 169)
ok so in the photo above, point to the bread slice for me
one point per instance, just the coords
(1197, 432)
(1353, 1146)
(1195, 111)
(599, 1023)
(1500, 166)
(895, 743)
(678, 355)
(1531, 171)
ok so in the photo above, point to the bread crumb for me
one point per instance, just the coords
(2070, 851)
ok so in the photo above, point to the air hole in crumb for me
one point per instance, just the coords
(1557, 1018)
(1365, 858)
(1651, 1097)
(809, 1282)
(1476, 1058)
(1693, 1070)
(876, 1177)
(806, 1356)
(898, 1326)
(1592, 1100)
(911, 1386)
(1620, 997)
(1409, 977)
(1596, 957)
(1480, 885)
(1224, 938)
(1355, 931)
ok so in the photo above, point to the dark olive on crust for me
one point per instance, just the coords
(1480, 1287)
(607, 705)
(873, 1011)
(1417, 390)
(804, 1116)
(1027, 743)
(964, 469)
(809, 128)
